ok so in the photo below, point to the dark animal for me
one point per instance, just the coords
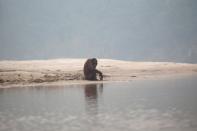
(90, 71)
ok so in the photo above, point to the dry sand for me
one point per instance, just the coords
(70, 71)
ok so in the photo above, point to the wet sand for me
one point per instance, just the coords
(70, 71)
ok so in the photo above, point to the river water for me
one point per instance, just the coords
(141, 105)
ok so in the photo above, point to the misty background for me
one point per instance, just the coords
(139, 30)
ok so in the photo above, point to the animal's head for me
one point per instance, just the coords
(94, 62)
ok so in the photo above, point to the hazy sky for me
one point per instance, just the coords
(151, 30)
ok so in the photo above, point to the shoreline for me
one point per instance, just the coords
(70, 71)
(86, 82)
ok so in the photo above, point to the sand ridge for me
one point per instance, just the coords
(70, 71)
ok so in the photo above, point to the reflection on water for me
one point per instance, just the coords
(151, 105)
(92, 92)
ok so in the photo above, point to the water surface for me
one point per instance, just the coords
(142, 105)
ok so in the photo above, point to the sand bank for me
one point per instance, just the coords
(70, 71)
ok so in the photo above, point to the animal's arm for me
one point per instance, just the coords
(97, 71)
(100, 74)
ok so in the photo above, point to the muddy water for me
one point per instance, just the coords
(142, 105)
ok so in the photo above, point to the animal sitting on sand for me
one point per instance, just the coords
(90, 71)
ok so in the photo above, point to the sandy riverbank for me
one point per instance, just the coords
(70, 71)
